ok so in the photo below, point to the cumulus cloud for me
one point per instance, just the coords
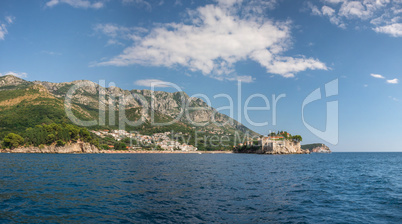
(3, 26)
(213, 40)
(329, 12)
(383, 16)
(152, 82)
(377, 76)
(394, 30)
(77, 3)
(355, 9)
(393, 81)
(16, 74)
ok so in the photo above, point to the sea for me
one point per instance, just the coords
(201, 188)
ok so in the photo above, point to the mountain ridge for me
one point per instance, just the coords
(137, 103)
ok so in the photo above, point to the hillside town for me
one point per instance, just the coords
(160, 141)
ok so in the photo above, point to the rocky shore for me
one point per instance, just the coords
(76, 148)
(163, 152)
(70, 148)
(317, 148)
(321, 149)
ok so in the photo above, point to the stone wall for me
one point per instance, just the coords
(282, 147)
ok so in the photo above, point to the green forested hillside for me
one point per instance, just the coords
(26, 104)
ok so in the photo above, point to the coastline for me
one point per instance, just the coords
(21, 151)
(161, 152)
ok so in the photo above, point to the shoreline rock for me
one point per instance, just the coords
(317, 148)
(53, 149)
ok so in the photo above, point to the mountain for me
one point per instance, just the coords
(25, 104)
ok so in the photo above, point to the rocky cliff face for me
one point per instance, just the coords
(71, 148)
(317, 148)
(41, 102)
(171, 105)
(284, 147)
(321, 149)
(272, 147)
(9, 82)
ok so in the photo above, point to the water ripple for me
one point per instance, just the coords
(192, 188)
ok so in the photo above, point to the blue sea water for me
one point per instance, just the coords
(207, 188)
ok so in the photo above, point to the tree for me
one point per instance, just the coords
(60, 143)
(297, 138)
(50, 139)
(85, 135)
(13, 140)
(104, 147)
(73, 131)
(120, 146)
(126, 140)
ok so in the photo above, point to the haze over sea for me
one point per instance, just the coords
(207, 188)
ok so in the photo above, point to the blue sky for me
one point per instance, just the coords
(205, 47)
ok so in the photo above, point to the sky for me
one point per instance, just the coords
(328, 70)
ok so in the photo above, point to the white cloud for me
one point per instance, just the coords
(3, 26)
(383, 15)
(109, 29)
(144, 3)
(393, 81)
(212, 41)
(335, 1)
(16, 74)
(394, 30)
(116, 32)
(229, 3)
(10, 19)
(114, 42)
(393, 98)
(77, 3)
(3, 31)
(354, 9)
(150, 82)
(52, 53)
(377, 76)
(329, 12)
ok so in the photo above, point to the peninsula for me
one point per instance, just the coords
(274, 143)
